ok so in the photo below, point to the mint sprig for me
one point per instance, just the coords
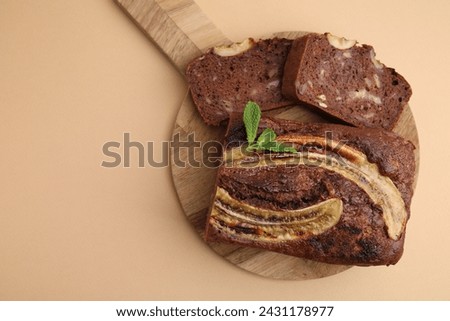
(252, 116)
(267, 139)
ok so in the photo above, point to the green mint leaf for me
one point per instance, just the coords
(266, 141)
(272, 146)
(268, 135)
(253, 147)
(275, 146)
(287, 149)
(251, 118)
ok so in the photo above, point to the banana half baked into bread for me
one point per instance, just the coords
(342, 197)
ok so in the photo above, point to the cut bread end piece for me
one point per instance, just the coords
(344, 79)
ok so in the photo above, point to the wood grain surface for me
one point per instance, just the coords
(178, 27)
(182, 32)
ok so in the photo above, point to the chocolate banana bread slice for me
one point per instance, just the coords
(342, 78)
(222, 80)
(343, 198)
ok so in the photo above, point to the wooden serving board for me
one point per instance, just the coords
(183, 32)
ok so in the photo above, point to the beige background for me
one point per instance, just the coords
(76, 74)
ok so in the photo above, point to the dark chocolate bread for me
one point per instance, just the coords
(343, 198)
(224, 79)
(342, 78)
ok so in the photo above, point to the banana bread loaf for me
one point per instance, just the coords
(343, 198)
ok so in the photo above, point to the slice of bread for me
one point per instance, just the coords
(224, 79)
(342, 78)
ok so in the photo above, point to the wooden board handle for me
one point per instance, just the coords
(178, 27)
